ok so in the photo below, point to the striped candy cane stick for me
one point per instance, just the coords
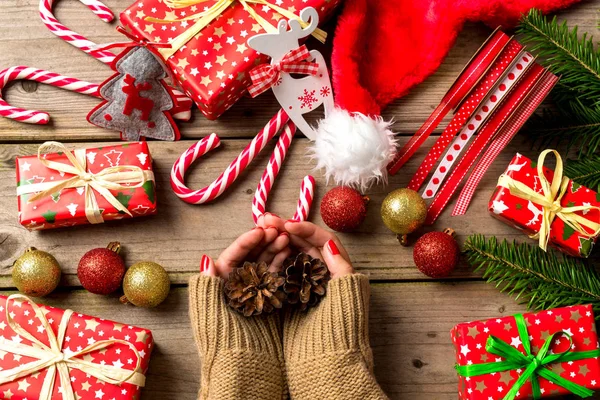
(273, 167)
(307, 193)
(184, 104)
(42, 76)
(231, 173)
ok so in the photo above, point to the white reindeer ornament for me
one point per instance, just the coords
(297, 96)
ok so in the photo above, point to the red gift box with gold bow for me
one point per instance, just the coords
(47, 353)
(61, 188)
(547, 205)
(209, 55)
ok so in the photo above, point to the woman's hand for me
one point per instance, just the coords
(260, 244)
(313, 240)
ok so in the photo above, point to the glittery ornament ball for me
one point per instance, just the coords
(146, 284)
(436, 254)
(403, 211)
(36, 273)
(101, 271)
(343, 209)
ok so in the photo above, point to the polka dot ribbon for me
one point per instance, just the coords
(466, 109)
(508, 107)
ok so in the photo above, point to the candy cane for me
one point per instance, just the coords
(42, 76)
(307, 193)
(184, 103)
(231, 173)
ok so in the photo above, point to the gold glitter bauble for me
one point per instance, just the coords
(403, 211)
(36, 273)
(146, 284)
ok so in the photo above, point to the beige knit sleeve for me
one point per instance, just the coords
(327, 351)
(241, 358)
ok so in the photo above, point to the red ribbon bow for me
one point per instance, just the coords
(266, 75)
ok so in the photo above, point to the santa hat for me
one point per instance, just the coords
(381, 50)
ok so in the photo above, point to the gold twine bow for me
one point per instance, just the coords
(550, 200)
(206, 17)
(111, 178)
(55, 360)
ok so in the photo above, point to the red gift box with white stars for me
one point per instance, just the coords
(526, 215)
(213, 67)
(470, 339)
(66, 207)
(81, 332)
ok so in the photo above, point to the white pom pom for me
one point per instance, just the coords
(354, 149)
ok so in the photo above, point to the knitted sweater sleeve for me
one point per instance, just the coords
(327, 351)
(241, 358)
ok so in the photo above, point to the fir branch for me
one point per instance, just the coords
(573, 124)
(539, 278)
(585, 171)
(561, 51)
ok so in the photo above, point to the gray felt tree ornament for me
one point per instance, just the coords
(136, 100)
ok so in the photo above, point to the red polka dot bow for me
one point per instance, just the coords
(266, 75)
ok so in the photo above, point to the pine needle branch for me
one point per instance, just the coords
(585, 171)
(538, 278)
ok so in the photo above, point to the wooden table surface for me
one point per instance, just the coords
(411, 315)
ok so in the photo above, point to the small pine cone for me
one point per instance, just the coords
(253, 290)
(305, 280)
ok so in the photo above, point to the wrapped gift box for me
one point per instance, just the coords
(212, 68)
(81, 332)
(67, 207)
(470, 340)
(526, 215)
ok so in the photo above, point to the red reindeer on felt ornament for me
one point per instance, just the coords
(135, 101)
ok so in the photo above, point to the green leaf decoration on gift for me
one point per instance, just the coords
(123, 199)
(585, 246)
(540, 279)
(125, 145)
(568, 232)
(149, 189)
(56, 197)
(571, 204)
(50, 216)
(519, 206)
(533, 164)
(575, 187)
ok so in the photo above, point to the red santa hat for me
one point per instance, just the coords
(382, 49)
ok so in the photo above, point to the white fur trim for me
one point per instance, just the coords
(354, 149)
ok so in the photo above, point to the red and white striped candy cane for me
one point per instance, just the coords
(219, 185)
(307, 194)
(74, 38)
(42, 76)
(268, 179)
(184, 103)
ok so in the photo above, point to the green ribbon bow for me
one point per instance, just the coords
(533, 365)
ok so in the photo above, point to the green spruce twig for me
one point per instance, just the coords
(538, 278)
(585, 171)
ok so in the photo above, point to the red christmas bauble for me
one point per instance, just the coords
(436, 254)
(343, 209)
(101, 271)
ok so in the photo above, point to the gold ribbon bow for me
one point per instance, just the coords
(206, 17)
(55, 360)
(550, 200)
(111, 178)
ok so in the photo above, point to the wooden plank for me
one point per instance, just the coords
(409, 330)
(181, 233)
(25, 41)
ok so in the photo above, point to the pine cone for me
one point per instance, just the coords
(305, 280)
(253, 290)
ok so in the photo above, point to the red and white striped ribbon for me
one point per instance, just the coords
(493, 100)
(305, 199)
(182, 110)
(464, 84)
(505, 135)
(483, 138)
(38, 75)
(464, 112)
